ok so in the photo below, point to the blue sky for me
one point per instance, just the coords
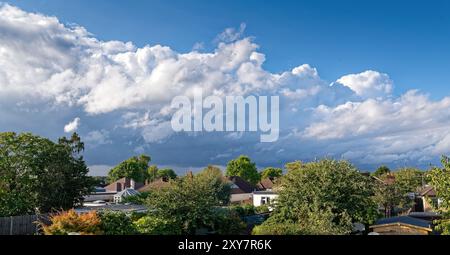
(377, 53)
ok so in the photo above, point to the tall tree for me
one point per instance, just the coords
(134, 168)
(192, 202)
(272, 173)
(409, 179)
(333, 189)
(244, 168)
(440, 180)
(167, 174)
(36, 173)
(152, 173)
(213, 176)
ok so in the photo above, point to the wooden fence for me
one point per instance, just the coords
(21, 225)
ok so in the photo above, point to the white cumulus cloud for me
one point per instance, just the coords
(123, 94)
(72, 126)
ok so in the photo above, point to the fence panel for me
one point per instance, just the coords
(21, 225)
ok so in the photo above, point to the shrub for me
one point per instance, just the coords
(244, 210)
(137, 199)
(228, 222)
(116, 223)
(67, 222)
(262, 209)
(152, 225)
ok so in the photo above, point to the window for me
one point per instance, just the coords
(265, 200)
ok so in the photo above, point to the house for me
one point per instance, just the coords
(426, 201)
(264, 198)
(107, 193)
(124, 183)
(265, 195)
(125, 193)
(241, 190)
(402, 225)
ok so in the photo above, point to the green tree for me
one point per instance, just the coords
(293, 165)
(134, 168)
(152, 173)
(190, 201)
(213, 176)
(167, 174)
(315, 222)
(38, 174)
(244, 168)
(272, 173)
(329, 188)
(440, 180)
(390, 196)
(409, 179)
(382, 170)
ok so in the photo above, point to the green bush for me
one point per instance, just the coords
(116, 223)
(137, 199)
(262, 209)
(244, 210)
(152, 225)
(284, 228)
(228, 222)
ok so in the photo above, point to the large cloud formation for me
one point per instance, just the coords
(122, 95)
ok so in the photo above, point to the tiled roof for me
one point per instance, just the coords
(242, 185)
(265, 184)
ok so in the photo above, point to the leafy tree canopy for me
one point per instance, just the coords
(36, 173)
(272, 173)
(440, 180)
(409, 179)
(244, 168)
(134, 168)
(167, 174)
(333, 189)
(190, 201)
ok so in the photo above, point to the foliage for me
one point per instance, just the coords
(323, 197)
(100, 181)
(153, 225)
(408, 179)
(390, 196)
(152, 173)
(190, 201)
(167, 174)
(382, 170)
(262, 209)
(116, 223)
(271, 173)
(315, 222)
(213, 176)
(244, 210)
(69, 222)
(292, 166)
(137, 199)
(227, 222)
(134, 168)
(244, 168)
(440, 180)
(38, 174)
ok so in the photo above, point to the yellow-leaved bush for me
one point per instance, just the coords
(71, 223)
